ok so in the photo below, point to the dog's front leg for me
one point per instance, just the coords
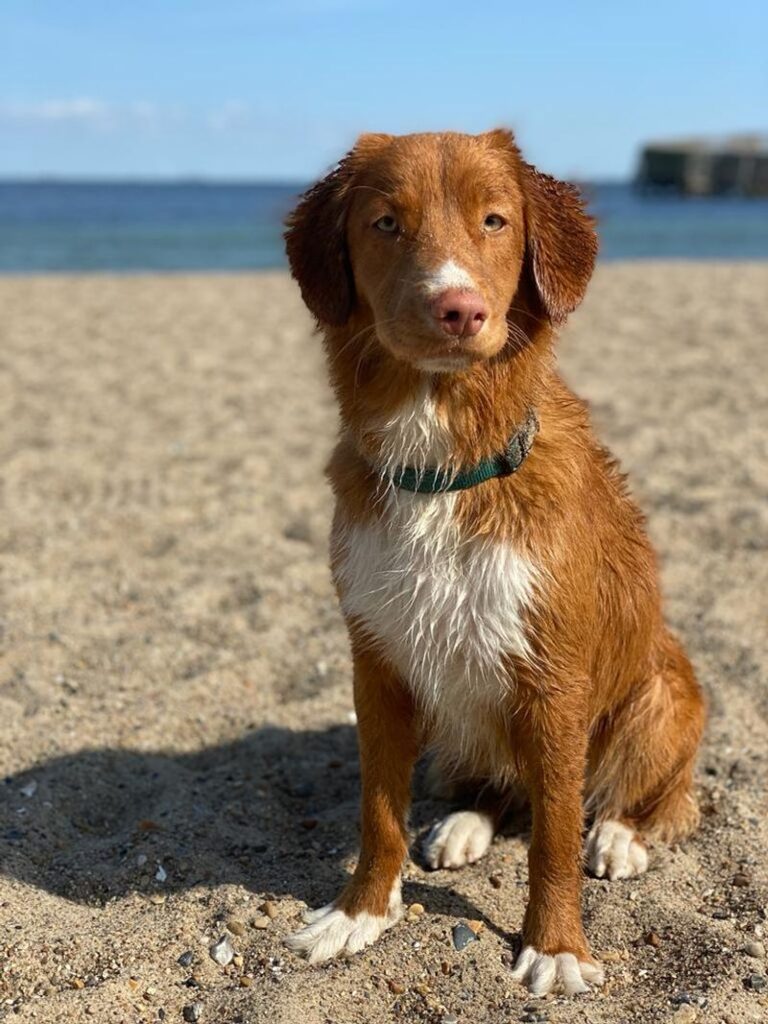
(388, 742)
(555, 950)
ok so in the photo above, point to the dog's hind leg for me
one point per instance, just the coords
(464, 836)
(640, 772)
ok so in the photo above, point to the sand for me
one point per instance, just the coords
(175, 683)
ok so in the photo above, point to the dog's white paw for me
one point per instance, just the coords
(461, 838)
(614, 850)
(330, 931)
(543, 973)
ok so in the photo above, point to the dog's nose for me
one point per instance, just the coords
(460, 313)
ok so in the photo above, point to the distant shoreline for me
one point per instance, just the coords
(641, 264)
(189, 225)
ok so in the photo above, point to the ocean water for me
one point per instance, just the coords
(57, 226)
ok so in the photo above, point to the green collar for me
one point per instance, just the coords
(437, 481)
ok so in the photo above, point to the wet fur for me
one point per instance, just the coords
(516, 628)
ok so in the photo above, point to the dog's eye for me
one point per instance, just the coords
(386, 224)
(494, 222)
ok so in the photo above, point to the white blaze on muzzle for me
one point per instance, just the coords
(449, 275)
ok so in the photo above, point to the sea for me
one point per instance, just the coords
(69, 226)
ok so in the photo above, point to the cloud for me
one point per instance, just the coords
(88, 114)
(230, 116)
(79, 110)
(139, 115)
(239, 136)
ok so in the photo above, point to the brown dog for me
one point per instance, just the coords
(499, 589)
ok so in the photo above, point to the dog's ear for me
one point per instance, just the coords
(561, 243)
(317, 249)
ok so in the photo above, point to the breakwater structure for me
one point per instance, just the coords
(737, 165)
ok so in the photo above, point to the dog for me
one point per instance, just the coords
(498, 586)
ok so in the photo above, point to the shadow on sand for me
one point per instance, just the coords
(275, 812)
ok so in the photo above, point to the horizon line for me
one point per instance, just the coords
(214, 180)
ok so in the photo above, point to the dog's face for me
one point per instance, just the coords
(427, 237)
(436, 236)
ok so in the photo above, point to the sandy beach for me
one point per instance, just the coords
(178, 746)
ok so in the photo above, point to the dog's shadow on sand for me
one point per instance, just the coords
(275, 811)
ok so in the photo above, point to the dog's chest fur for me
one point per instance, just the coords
(446, 609)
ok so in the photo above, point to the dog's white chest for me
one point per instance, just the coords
(444, 609)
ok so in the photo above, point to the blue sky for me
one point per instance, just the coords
(272, 89)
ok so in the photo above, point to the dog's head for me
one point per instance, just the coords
(432, 237)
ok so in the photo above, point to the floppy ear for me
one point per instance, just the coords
(317, 249)
(561, 241)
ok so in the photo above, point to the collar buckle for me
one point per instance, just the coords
(505, 463)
